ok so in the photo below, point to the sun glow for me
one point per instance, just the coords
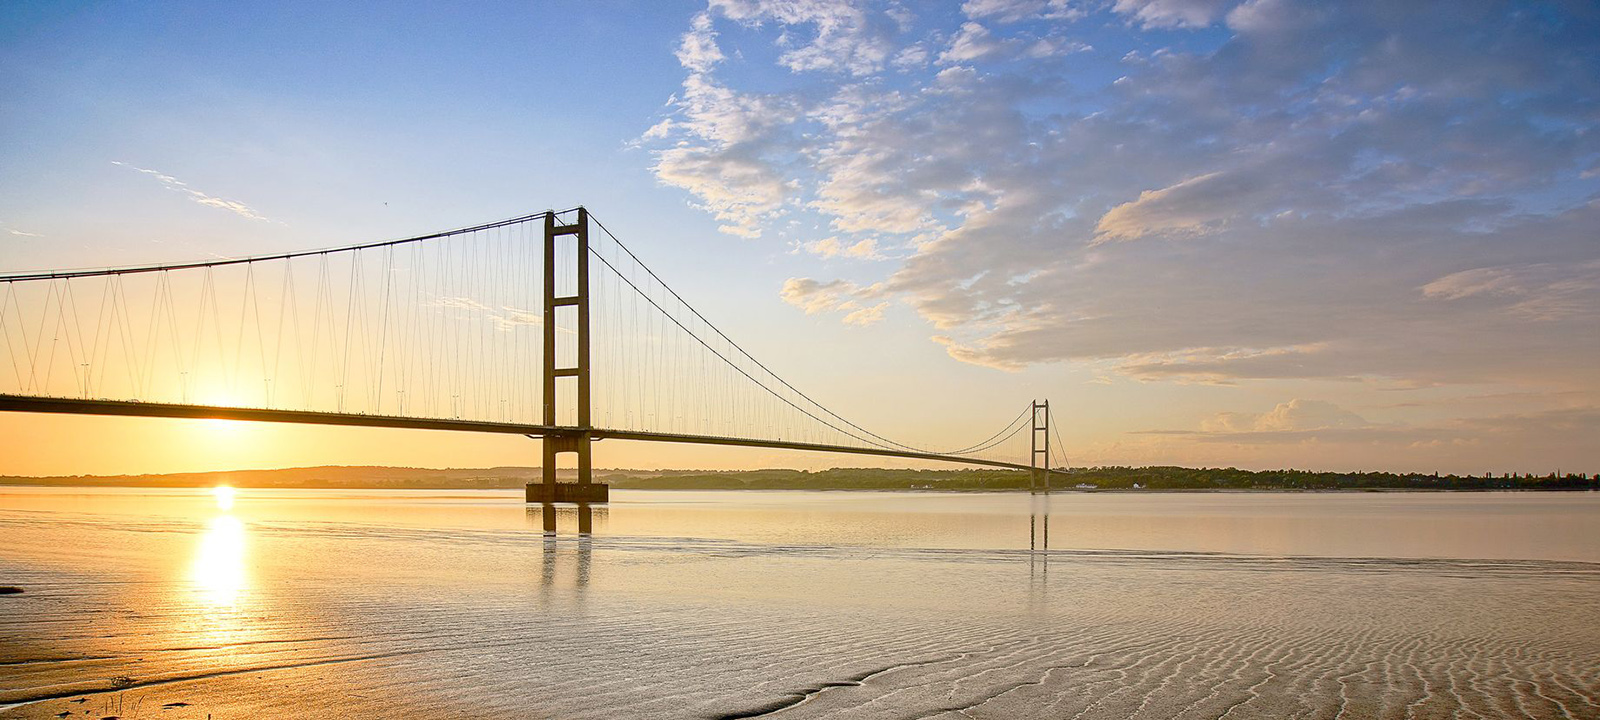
(215, 442)
(219, 430)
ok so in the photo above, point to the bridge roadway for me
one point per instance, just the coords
(23, 403)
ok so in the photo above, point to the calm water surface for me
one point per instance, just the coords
(189, 603)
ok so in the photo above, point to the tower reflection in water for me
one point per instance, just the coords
(1039, 534)
(552, 518)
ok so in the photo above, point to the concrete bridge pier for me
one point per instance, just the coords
(568, 492)
(585, 490)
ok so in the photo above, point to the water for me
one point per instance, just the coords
(188, 604)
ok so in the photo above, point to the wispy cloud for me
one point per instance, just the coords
(1320, 426)
(1539, 291)
(504, 318)
(19, 233)
(176, 185)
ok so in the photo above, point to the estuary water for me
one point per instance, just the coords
(336, 604)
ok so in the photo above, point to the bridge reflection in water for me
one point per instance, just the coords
(568, 530)
(1039, 534)
(551, 518)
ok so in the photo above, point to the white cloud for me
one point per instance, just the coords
(1540, 440)
(831, 247)
(845, 37)
(972, 42)
(975, 353)
(1303, 433)
(1172, 13)
(461, 303)
(724, 152)
(1471, 282)
(1263, 16)
(1009, 11)
(814, 296)
(865, 316)
(738, 189)
(698, 49)
(911, 57)
(1051, 47)
(1294, 415)
(172, 183)
(1226, 365)
(836, 296)
(1192, 207)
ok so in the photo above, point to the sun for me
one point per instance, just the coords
(224, 495)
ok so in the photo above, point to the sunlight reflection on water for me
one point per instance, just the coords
(219, 566)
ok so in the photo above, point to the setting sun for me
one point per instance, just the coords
(224, 495)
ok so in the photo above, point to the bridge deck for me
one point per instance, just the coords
(24, 403)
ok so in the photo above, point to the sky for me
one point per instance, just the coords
(1261, 234)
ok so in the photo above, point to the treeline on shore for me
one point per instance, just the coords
(1095, 478)
(1182, 478)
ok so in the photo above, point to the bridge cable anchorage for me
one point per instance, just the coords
(752, 358)
(437, 331)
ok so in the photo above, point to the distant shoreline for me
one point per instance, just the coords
(907, 490)
(1098, 479)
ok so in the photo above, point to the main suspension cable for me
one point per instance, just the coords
(882, 440)
(135, 269)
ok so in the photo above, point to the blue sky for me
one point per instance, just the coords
(1262, 233)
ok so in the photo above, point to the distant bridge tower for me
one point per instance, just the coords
(575, 439)
(1039, 478)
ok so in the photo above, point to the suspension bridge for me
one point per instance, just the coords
(544, 325)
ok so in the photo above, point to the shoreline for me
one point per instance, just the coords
(1018, 491)
(1156, 478)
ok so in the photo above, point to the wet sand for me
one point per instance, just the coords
(165, 605)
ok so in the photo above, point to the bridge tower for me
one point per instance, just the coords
(576, 439)
(1039, 478)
